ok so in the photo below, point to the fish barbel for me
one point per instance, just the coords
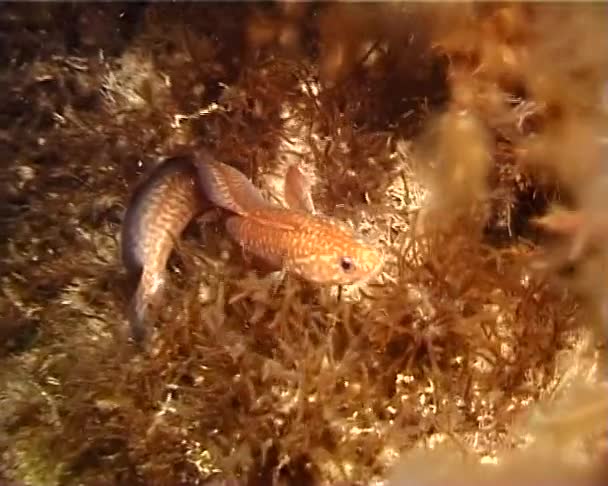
(295, 239)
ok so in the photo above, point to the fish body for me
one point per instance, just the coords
(315, 247)
(159, 210)
(319, 249)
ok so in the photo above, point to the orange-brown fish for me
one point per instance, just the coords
(585, 229)
(317, 248)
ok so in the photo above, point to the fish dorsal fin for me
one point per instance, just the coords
(297, 190)
(227, 187)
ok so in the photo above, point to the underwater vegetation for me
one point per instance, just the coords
(465, 141)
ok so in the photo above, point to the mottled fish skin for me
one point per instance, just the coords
(159, 210)
(317, 248)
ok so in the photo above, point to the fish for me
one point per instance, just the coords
(585, 230)
(159, 210)
(295, 239)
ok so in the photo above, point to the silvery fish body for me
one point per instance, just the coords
(159, 210)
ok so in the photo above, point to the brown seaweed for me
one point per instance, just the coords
(262, 380)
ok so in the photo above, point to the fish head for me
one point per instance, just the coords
(337, 256)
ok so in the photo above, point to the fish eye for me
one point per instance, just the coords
(347, 264)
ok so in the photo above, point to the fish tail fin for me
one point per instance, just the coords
(297, 190)
(226, 186)
(144, 305)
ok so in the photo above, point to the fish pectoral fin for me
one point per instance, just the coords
(226, 186)
(300, 261)
(297, 190)
(239, 229)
